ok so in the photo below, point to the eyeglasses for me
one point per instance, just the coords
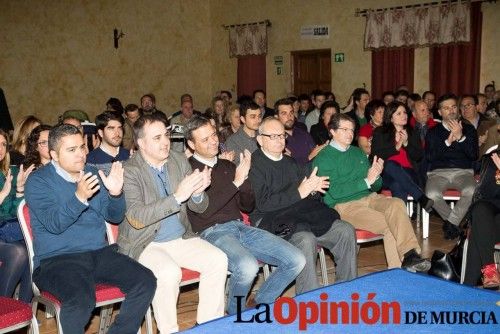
(346, 130)
(43, 143)
(275, 136)
(466, 106)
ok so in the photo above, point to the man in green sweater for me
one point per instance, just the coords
(352, 192)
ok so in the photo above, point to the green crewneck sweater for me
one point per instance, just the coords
(347, 171)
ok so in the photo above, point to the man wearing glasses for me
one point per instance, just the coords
(451, 149)
(287, 204)
(352, 192)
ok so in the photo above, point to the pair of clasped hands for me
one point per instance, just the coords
(314, 183)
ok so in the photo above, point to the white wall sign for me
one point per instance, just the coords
(315, 31)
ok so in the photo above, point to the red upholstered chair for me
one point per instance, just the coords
(106, 295)
(363, 236)
(15, 314)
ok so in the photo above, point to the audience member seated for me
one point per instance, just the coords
(375, 109)
(259, 97)
(227, 97)
(230, 192)
(245, 137)
(110, 131)
(185, 115)
(319, 131)
(360, 98)
(185, 98)
(304, 108)
(231, 124)
(115, 106)
(468, 110)
(387, 97)
(482, 105)
(318, 98)
(286, 206)
(430, 99)
(400, 147)
(14, 265)
(299, 143)
(148, 106)
(69, 203)
(402, 95)
(132, 114)
(91, 140)
(489, 91)
(22, 130)
(451, 148)
(492, 139)
(217, 111)
(352, 192)
(37, 147)
(159, 186)
(485, 226)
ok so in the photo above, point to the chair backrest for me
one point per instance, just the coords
(23, 215)
(491, 149)
(111, 233)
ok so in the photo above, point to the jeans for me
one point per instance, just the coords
(72, 279)
(401, 181)
(340, 240)
(246, 245)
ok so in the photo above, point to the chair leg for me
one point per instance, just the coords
(105, 318)
(149, 322)
(322, 264)
(34, 325)
(464, 261)
(266, 271)
(425, 223)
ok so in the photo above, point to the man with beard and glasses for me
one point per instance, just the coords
(110, 130)
(451, 148)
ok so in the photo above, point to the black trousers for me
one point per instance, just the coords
(485, 232)
(72, 278)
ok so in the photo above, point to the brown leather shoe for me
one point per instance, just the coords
(491, 277)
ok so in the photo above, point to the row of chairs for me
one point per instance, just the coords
(16, 314)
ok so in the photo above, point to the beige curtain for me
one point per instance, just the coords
(248, 39)
(417, 27)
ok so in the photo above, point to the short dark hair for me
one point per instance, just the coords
(334, 123)
(282, 102)
(102, 120)
(196, 122)
(356, 96)
(415, 97)
(386, 93)
(447, 96)
(228, 93)
(131, 107)
(116, 104)
(402, 92)
(150, 95)
(330, 94)
(183, 97)
(470, 96)
(372, 106)
(318, 92)
(248, 105)
(303, 97)
(427, 92)
(60, 131)
(326, 105)
(244, 99)
(259, 91)
(489, 86)
(142, 121)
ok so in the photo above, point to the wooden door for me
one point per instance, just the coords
(312, 69)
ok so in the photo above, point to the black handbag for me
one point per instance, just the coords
(448, 266)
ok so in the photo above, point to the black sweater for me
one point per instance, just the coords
(457, 155)
(225, 200)
(384, 146)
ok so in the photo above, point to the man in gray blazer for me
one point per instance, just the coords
(158, 186)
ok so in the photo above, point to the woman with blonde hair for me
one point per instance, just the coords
(22, 130)
(231, 123)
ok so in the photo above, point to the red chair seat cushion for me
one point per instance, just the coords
(103, 292)
(188, 275)
(452, 192)
(363, 235)
(13, 312)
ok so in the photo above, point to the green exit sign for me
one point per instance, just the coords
(339, 57)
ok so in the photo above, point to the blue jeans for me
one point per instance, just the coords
(246, 245)
(72, 278)
(401, 181)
